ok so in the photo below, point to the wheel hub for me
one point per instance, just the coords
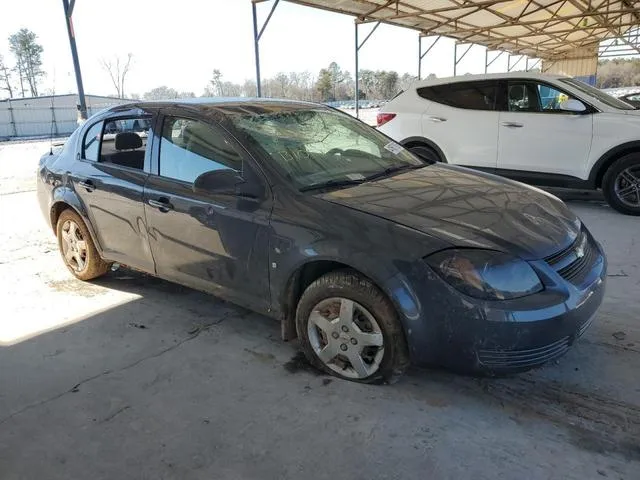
(346, 337)
(74, 247)
(627, 186)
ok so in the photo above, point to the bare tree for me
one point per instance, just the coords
(5, 78)
(117, 70)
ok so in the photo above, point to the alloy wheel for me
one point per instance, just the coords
(627, 186)
(346, 337)
(74, 247)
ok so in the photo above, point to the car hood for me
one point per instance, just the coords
(467, 209)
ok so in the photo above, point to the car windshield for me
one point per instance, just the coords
(598, 94)
(319, 147)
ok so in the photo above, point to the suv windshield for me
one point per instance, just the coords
(318, 148)
(598, 94)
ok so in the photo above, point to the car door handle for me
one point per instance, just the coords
(88, 185)
(437, 119)
(512, 124)
(161, 204)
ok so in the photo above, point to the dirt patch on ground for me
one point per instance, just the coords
(76, 287)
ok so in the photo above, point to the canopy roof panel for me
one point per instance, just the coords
(548, 29)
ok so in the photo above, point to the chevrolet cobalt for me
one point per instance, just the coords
(371, 257)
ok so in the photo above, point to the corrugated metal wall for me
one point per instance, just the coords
(45, 116)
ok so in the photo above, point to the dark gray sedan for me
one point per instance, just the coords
(371, 257)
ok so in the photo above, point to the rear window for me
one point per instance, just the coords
(467, 95)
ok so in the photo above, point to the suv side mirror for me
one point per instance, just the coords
(218, 181)
(573, 105)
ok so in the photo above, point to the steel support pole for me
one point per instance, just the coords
(486, 60)
(455, 58)
(511, 67)
(256, 39)
(357, 77)
(419, 56)
(68, 12)
(422, 54)
(358, 47)
(12, 119)
(256, 46)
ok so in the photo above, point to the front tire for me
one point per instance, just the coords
(349, 328)
(77, 248)
(621, 184)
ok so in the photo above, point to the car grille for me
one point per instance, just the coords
(523, 358)
(574, 263)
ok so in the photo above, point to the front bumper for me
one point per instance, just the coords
(445, 327)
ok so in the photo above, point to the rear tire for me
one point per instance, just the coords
(425, 152)
(348, 328)
(77, 249)
(621, 184)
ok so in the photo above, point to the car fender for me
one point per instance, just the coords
(601, 165)
(384, 275)
(63, 194)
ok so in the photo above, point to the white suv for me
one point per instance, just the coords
(546, 130)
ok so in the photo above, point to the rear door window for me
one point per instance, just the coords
(124, 141)
(91, 144)
(466, 95)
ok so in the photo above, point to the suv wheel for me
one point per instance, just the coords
(425, 152)
(348, 328)
(77, 249)
(621, 184)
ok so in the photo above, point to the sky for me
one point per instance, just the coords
(179, 43)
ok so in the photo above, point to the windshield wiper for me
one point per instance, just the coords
(332, 184)
(388, 171)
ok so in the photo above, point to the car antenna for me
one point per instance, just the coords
(53, 115)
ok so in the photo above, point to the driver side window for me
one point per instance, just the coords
(527, 96)
(189, 148)
(551, 98)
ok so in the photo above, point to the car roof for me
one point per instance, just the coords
(486, 76)
(246, 105)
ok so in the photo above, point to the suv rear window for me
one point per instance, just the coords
(468, 95)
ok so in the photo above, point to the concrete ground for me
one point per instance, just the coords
(132, 377)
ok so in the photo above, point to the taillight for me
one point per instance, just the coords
(383, 118)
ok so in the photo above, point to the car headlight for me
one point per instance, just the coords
(486, 274)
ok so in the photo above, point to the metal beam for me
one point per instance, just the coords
(256, 39)
(535, 64)
(487, 64)
(357, 79)
(455, 56)
(370, 33)
(82, 104)
(421, 55)
(511, 67)
(357, 50)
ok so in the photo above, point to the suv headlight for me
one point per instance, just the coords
(486, 274)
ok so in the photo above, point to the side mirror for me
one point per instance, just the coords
(573, 105)
(218, 181)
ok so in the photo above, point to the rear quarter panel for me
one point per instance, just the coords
(409, 108)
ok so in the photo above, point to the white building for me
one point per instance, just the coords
(48, 115)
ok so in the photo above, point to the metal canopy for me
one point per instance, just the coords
(547, 29)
